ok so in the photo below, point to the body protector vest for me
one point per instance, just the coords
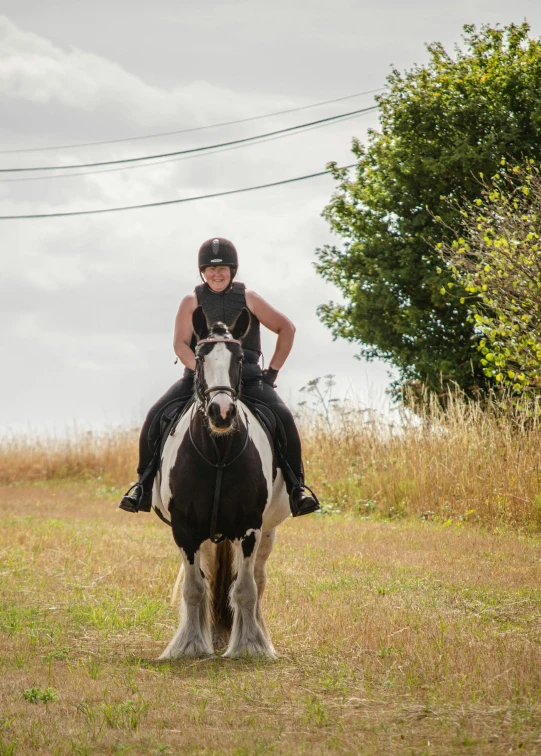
(226, 306)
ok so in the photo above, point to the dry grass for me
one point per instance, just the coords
(395, 638)
(462, 464)
(466, 464)
(111, 457)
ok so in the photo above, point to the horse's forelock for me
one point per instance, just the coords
(220, 331)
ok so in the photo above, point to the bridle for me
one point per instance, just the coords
(222, 462)
(232, 390)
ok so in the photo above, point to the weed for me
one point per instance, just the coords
(81, 749)
(328, 508)
(124, 716)
(93, 717)
(59, 655)
(93, 666)
(316, 712)
(37, 695)
(198, 715)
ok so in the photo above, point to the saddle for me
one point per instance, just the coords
(267, 418)
(270, 422)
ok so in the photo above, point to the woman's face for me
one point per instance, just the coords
(218, 277)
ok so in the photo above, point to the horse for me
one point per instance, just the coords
(219, 488)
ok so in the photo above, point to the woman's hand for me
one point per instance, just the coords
(269, 376)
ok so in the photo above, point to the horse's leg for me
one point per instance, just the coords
(260, 574)
(247, 636)
(193, 637)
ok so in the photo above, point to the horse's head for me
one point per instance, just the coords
(218, 357)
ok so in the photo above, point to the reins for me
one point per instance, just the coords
(223, 463)
(219, 467)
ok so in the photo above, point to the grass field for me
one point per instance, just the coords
(399, 636)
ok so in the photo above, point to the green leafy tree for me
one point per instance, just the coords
(496, 258)
(441, 126)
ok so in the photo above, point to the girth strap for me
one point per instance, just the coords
(215, 505)
(219, 467)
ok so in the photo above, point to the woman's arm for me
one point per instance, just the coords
(277, 323)
(184, 331)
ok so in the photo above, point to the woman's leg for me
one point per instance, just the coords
(150, 432)
(266, 394)
(300, 501)
(138, 497)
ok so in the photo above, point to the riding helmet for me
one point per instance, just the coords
(218, 251)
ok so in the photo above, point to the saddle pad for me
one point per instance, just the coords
(170, 418)
(267, 418)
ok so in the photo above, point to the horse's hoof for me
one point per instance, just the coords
(251, 655)
(186, 653)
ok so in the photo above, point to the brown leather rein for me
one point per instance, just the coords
(224, 462)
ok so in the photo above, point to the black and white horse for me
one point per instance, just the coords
(219, 488)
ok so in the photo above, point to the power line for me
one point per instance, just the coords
(186, 131)
(170, 202)
(51, 176)
(329, 119)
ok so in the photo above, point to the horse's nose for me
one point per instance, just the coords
(214, 411)
(221, 414)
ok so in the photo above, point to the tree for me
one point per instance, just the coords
(496, 258)
(441, 126)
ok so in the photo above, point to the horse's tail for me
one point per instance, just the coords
(220, 584)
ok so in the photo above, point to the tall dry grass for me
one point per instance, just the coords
(81, 456)
(466, 462)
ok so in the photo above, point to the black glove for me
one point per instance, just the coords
(269, 376)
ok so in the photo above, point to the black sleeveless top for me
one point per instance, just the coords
(226, 306)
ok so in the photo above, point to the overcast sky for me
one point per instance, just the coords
(88, 303)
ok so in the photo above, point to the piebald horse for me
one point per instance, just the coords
(220, 490)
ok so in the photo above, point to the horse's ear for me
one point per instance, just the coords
(199, 322)
(242, 324)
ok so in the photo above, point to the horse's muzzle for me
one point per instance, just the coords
(221, 417)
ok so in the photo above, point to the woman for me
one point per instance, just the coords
(223, 299)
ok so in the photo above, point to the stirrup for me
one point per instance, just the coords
(310, 507)
(132, 503)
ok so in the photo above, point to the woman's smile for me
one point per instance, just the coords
(218, 277)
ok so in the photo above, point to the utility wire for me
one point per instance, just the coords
(50, 176)
(170, 202)
(329, 119)
(186, 131)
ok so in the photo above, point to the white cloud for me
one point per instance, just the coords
(90, 301)
(35, 70)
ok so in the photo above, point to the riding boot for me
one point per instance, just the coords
(138, 498)
(300, 501)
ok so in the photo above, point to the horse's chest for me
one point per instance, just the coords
(241, 497)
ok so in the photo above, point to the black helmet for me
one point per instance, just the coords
(218, 251)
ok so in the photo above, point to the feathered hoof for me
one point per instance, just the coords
(187, 651)
(251, 652)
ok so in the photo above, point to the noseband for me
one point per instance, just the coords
(234, 391)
